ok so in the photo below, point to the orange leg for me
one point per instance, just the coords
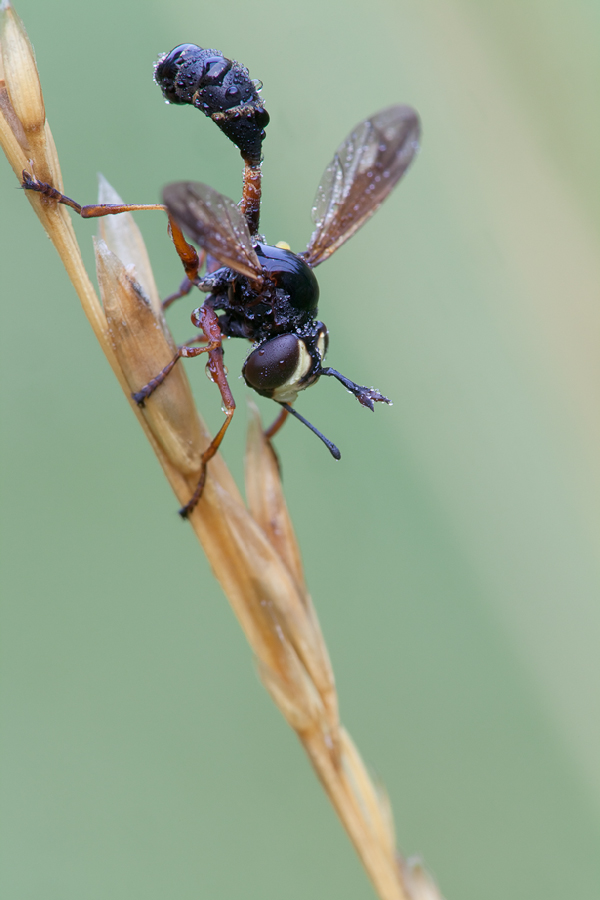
(205, 319)
(272, 431)
(277, 424)
(92, 211)
(187, 253)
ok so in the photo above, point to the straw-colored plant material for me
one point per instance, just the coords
(253, 551)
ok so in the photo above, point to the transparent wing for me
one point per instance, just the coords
(215, 223)
(362, 173)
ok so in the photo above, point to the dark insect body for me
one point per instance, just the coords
(263, 293)
(221, 88)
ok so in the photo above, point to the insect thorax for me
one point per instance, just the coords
(287, 301)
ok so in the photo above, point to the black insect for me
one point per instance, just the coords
(264, 293)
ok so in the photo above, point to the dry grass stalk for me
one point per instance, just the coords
(253, 551)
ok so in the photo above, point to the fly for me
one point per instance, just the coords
(266, 294)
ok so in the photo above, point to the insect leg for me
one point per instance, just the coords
(183, 290)
(186, 285)
(366, 396)
(142, 395)
(187, 254)
(199, 339)
(207, 320)
(277, 424)
(185, 351)
(92, 211)
(270, 432)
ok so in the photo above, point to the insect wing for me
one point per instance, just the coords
(362, 173)
(215, 223)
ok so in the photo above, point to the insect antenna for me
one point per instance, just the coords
(365, 396)
(330, 446)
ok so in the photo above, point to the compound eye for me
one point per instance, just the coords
(274, 364)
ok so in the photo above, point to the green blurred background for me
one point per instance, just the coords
(452, 553)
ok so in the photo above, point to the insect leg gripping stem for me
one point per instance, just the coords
(187, 254)
(92, 210)
(366, 396)
(207, 320)
(184, 351)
